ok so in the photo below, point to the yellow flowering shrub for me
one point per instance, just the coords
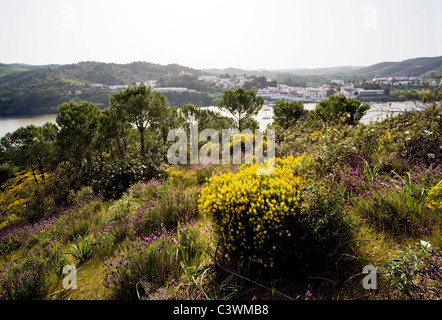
(434, 198)
(255, 215)
(316, 135)
(17, 195)
(9, 222)
(246, 138)
(384, 140)
(181, 177)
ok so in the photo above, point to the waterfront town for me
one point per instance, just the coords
(295, 93)
(314, 94)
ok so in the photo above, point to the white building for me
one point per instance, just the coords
(349, 91)
(118, 87)
(150, 83)
(279, 96)
(173, 89)
(370, 93)
(338, 81)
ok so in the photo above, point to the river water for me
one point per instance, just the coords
(264, 117)
(378, 111)
(10, 124)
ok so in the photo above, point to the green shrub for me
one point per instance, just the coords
(415, 272)
(182, 178)
(83, 195)
(82, 251)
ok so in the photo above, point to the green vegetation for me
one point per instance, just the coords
(32, 90)
(287, 113)
(418, 67)
(242, 104)
(339, 106)
(343, 195)
(141, 107)
(6, 69)
(40, 90)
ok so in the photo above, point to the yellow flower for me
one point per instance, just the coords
(247, 209)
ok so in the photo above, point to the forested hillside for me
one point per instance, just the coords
(28, 90)
(418, 67)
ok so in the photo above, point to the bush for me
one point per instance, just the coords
(82, 251)
(434, 198)
(182, 178)
(146, 208)
(83, 195)
(185, 176)
(270, 219)
(115, 179)
(18, 194)
(415, 272)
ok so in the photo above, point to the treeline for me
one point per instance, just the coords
(109, 150)
(105, 149)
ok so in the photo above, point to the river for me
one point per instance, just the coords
(10, 124)
(264, 117)
(378, 111)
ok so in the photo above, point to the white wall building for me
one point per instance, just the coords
(173, 89)
(118, 87)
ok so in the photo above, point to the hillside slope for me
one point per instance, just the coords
(28, 90)
(418, 67)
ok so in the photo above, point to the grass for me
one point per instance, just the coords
(172, 252)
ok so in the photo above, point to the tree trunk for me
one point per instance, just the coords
(112, 153)
(141, 141)
(88, 157)
(120, 149)
(35, 178)
(42, 173)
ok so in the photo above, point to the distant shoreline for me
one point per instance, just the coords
(12, 123)
(27, 116)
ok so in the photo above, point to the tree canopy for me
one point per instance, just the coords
(286, 113)
(140, 106)
(78, 124)
(338, 106)
(241, 104)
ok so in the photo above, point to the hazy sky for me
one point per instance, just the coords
(269, 34)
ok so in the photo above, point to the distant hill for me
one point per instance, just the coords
(27, 90)
(298, 72)
(6, 69)
(418, 67)
(322, 71)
